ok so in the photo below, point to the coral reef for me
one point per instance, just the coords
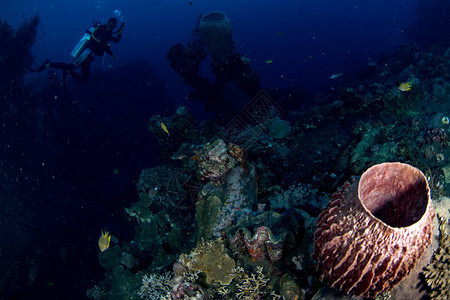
(240, 155)
(214, 160)
(374, 231)
(250, 287)
(185, 61)
(278, 128)
(437, 272)
(234, 80)
(221, 206)
(156, 287)
(15, 55)
(262, 243)
(97, 293)
(152, 181)
(290, 290)
(169, 287)
(279, 175)
(302, 196)
(216, 33)
(211, 259)
(183, 289)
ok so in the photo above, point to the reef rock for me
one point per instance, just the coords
(278, 128)
(214, 160)
(221, 206)
(373, 233)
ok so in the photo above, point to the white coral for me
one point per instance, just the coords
(156, 287)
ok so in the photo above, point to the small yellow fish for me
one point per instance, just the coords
(103, 241)
(280, 33)
(269, 61)
(163, 126)
(404, 86)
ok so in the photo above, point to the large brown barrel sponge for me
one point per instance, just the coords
(373, 232)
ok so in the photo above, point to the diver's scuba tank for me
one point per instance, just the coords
(81, 46)
(81, 57)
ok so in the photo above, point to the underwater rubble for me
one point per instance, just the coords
(220, 219)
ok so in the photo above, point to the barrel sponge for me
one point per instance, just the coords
(215, 32)
(373, 232)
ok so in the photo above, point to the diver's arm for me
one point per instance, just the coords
(117, 38)
(108, 50)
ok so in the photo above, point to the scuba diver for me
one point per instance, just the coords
(94, 42)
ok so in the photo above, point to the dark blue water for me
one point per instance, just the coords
(60, 152)
(307, 40)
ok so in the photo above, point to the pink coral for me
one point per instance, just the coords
(372, 234)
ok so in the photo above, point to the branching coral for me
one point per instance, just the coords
(250, 287)
(247, 286)
(437, 272)
(155, 287)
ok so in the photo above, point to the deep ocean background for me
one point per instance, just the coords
(56, 196)
(307, 40)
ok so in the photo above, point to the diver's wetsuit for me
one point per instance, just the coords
(98, 44)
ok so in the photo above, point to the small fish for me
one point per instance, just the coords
(269, 61)
(190, 3)
(103, 241)
(334, 76)
(163, 126)
(115, 171)
(404, 86)
(280, 33)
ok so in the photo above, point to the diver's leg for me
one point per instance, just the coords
(77, 77)
(55, 65)
(86, 69)
(42, 67)
(66, 68)
(61, 66)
